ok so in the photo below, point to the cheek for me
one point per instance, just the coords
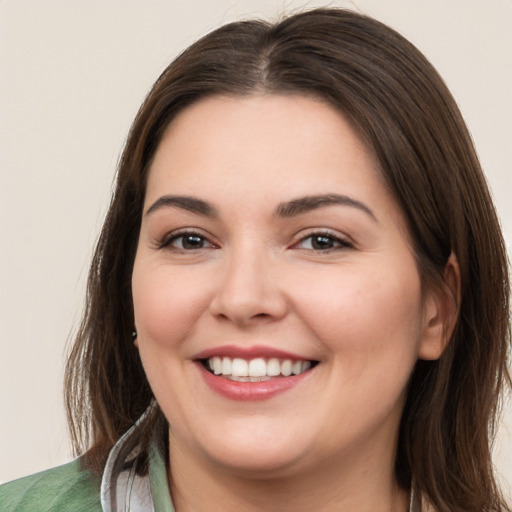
(166, 303)
(367, 311)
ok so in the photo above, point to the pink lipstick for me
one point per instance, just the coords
(251, 373)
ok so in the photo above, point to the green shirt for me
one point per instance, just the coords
(70, 488)
(63, 488)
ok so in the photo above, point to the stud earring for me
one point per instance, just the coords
(134, 335)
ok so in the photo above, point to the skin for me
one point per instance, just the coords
(255, 279)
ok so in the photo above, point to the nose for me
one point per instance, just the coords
(248, 290)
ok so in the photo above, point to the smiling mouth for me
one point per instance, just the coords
(258, 369)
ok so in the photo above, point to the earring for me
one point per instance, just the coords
(134, 335)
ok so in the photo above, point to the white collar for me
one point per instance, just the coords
(122, 489)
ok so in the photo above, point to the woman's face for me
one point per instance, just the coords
(277, 300)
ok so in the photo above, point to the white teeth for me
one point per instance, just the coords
(256, 369)
(225, 368)
(286, 367)
(273, 367)
(297, 367)
(215, 365)
(239, 368)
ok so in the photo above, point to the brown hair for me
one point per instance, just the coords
(403, 110)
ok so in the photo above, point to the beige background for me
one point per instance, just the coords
(72, 75)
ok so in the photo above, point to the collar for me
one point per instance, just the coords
(122, 490)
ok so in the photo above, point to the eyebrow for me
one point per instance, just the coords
(309, 203)
(192, 204)
(288, 209)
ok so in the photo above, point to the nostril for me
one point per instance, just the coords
(261, 315)
(246, 313)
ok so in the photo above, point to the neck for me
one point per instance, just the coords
(365, 484)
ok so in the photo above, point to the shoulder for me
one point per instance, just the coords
(64, 488)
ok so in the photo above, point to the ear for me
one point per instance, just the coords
(441, 311)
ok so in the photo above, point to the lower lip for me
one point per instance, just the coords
(250, 391)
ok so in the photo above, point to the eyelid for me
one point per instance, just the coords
(165, 241)
(343, 241)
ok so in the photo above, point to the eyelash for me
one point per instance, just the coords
(337, 243)
(167, 241)
(340, 243)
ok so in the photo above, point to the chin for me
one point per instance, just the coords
(267, 463)
(258, 454)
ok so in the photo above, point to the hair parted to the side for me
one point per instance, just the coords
(402, 109)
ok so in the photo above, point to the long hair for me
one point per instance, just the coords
(401, 108)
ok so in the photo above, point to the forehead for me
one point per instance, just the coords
(225, 129)
(263, 146)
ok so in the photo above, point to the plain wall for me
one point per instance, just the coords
(72, 76)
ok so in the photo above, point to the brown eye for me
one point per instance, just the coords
(188, 242)
(322, 242)
(192, 242)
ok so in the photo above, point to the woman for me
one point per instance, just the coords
(299, 299)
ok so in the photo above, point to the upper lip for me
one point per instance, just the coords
(248, 353)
